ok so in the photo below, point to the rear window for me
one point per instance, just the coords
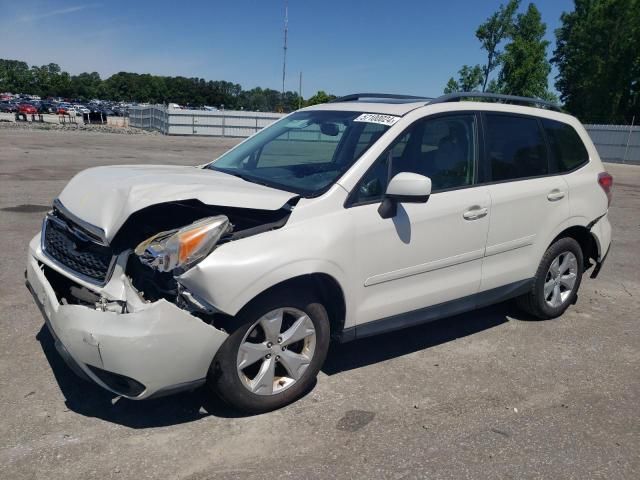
(566, 146)
(515, 146)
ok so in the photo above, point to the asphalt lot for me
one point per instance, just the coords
(487, 394)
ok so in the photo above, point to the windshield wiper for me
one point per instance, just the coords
(244, 177)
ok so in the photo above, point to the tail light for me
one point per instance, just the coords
(606, 183)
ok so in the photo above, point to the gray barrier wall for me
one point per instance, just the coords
(616, 143)
(221, 123)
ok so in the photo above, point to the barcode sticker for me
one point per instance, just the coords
(377, 118)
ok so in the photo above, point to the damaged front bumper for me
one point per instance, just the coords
(153, 349)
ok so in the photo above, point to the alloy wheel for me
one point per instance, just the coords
(560, 279)
(276, 351)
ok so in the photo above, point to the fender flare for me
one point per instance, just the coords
(286, 272)
(577, 221)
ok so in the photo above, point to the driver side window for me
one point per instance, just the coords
(442, 148)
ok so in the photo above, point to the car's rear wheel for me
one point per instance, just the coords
(557, 280)
(275, 355)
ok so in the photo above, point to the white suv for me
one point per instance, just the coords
(357, 217)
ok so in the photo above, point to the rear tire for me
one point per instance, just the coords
(556, 282)
(255, 369)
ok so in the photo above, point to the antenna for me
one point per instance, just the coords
(284, 58)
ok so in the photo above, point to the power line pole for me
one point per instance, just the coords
(284, 58)
(300, 92)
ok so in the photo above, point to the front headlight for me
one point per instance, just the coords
(183, 247)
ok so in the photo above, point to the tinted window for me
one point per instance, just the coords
(567, 148)
(442, 149)
(515, 147)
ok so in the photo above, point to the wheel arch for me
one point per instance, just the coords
(328, 289)
(585, 238)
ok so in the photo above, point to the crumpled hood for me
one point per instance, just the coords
(106, 196)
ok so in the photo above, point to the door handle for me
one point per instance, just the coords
(555, 195)
(474, 213)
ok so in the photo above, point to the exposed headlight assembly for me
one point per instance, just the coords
(183, 247)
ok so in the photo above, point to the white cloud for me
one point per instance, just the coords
(54, 13)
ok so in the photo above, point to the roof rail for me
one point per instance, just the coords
(527, 101)
(377, 96)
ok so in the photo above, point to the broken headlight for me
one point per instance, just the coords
(183, 247)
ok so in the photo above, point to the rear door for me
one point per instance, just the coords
(529, 200)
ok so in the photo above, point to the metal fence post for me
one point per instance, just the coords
(626, 150)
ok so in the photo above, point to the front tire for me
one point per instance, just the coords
(556, 282)
(275, 355)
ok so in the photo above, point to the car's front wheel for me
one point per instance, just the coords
(275, 355)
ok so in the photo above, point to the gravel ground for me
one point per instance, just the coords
(481, 395)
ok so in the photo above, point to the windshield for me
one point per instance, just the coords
(305, 152)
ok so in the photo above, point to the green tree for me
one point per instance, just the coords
(525, 67)
(598, 58)
(49, 80)
(86, 85)
(291, 101)
(41, 80)
(15, 76)
(320, 97)
(469, 80)
(492, 33)
(493, 87)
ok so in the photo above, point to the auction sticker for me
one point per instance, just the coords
(377, 118)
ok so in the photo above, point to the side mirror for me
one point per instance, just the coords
(405, 187)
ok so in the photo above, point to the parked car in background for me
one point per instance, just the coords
(120, 111)
(8, 107)
(101, 109)
(66, 109)
(81, 110)
(48, 107)
(27, 109)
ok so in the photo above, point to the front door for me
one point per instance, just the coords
(429, 253)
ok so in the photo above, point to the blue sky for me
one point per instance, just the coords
(402, 46)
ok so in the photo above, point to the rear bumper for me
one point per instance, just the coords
(152, 349)
(601, 230)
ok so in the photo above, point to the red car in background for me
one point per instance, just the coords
(27, 109)
(66, 110)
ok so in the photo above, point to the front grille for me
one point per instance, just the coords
(66, 243)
